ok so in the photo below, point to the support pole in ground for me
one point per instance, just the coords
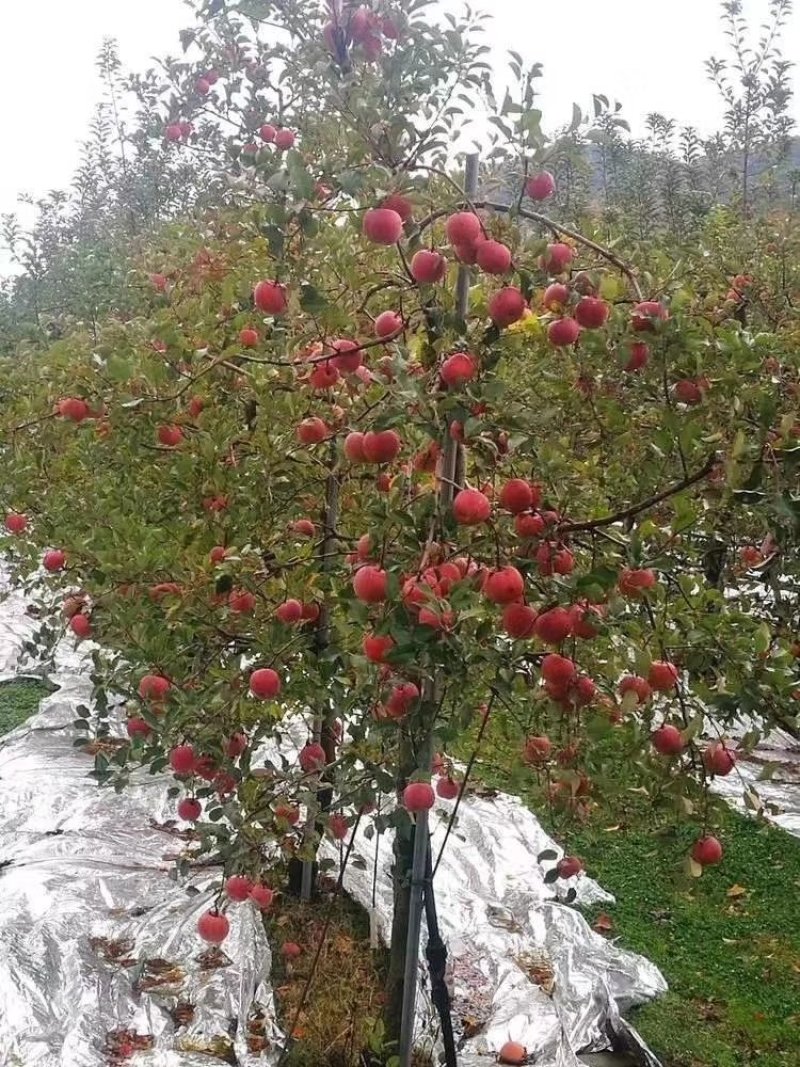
(451, 466)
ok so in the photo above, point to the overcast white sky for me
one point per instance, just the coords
(647, 53)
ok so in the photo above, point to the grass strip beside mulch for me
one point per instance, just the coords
(19, 699)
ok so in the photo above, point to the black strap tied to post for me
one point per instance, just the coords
(436, 954)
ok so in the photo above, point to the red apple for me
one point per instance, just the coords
(54, 560)
(347, 358)
(401, 204)
(248, 337)
(553, 626)
(634, 582)
(284, 139)
(418, 796)
(80, 626)
(529, 526)
(238, 887)
(289, 612)
(354, 447)
(537, 750)
(428, 267)
(719, 760)
(270, 297)
(516, 496)
(173, 131)
(458, 369)
(73, 408)
(557, 257)
(463, 228)
(190, 809)
(519, 621)
(506, 306)
(387, 324)
(493, 257)
(242, 601)
(512, 1053)
(569, 866)
(312, 431)
(638, 357)
(381, 446)
(647, 315)
(265, 683)
(338, 826)
(16, 523)
(170, 436)
(591, 312)
(662, 676)
(237, 744)
(303, 527)
(377, 647)
(217, 554)
(504, 586)
(471, 507)
(633, 683)
(382, 226)
(213, 927)
(558, 670)
(323, 376)
(563, 332)
(687, 391)
(154, 687)
(267, 133)
(447, 789)
(370, 584)
(540, 186)
(668, 740)
(707, 851)
(262, 896)
(312, 758)
(291, 950)
(556, 297)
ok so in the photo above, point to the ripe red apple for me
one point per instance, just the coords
(504, 586)
(81, 626)
(289, 612)
(447, 789)
(558, 670)
(262, 896)
(154, 687)
(638, 357)
(73, 408)
(537, 750)
(170, 436)
(190, 809)
(471, 507)
(387, 324)
(205, 767)
(288, 812)
(291, 950)
(585, 620)
(493, 257)
(540, 186)
(217, 554)
(418, 796)
(354, 447)
(662, 676)
(467, 253)
(687, 391)
(173, 131)
(512, 1053)
(371, 584)
(557, 257)
(556, 297)
(303, 527)
(516, 496)
(529, 526)
(312, 758)
(202, 86)
(428, 267)
(506, 306)
(347, 358)
(16, 523)
(463, 228)
(54, 560)
(668, 740)
(569, 866)
(401, 204)
(312, 431)
(563, 332)
(591, 312)
(717, 759)
(338, 826)
(242, 601)
(196, 405)
(553, 626)
(377, 647)
(381, 446)
(213, 927)
(238, 887)
(634, 582)
(265, 683)
(633, 683)
(270, 297)
(237, 744)
(458, 369)
(248, 337)
(647, 315)
(707, 851)
(382, 226)
(323, 376)
(267, 133)
(284, 139)
(519, 621)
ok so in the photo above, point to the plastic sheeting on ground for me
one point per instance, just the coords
(100, 962)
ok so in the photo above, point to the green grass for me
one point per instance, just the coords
(19, 700)
(727, 943)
